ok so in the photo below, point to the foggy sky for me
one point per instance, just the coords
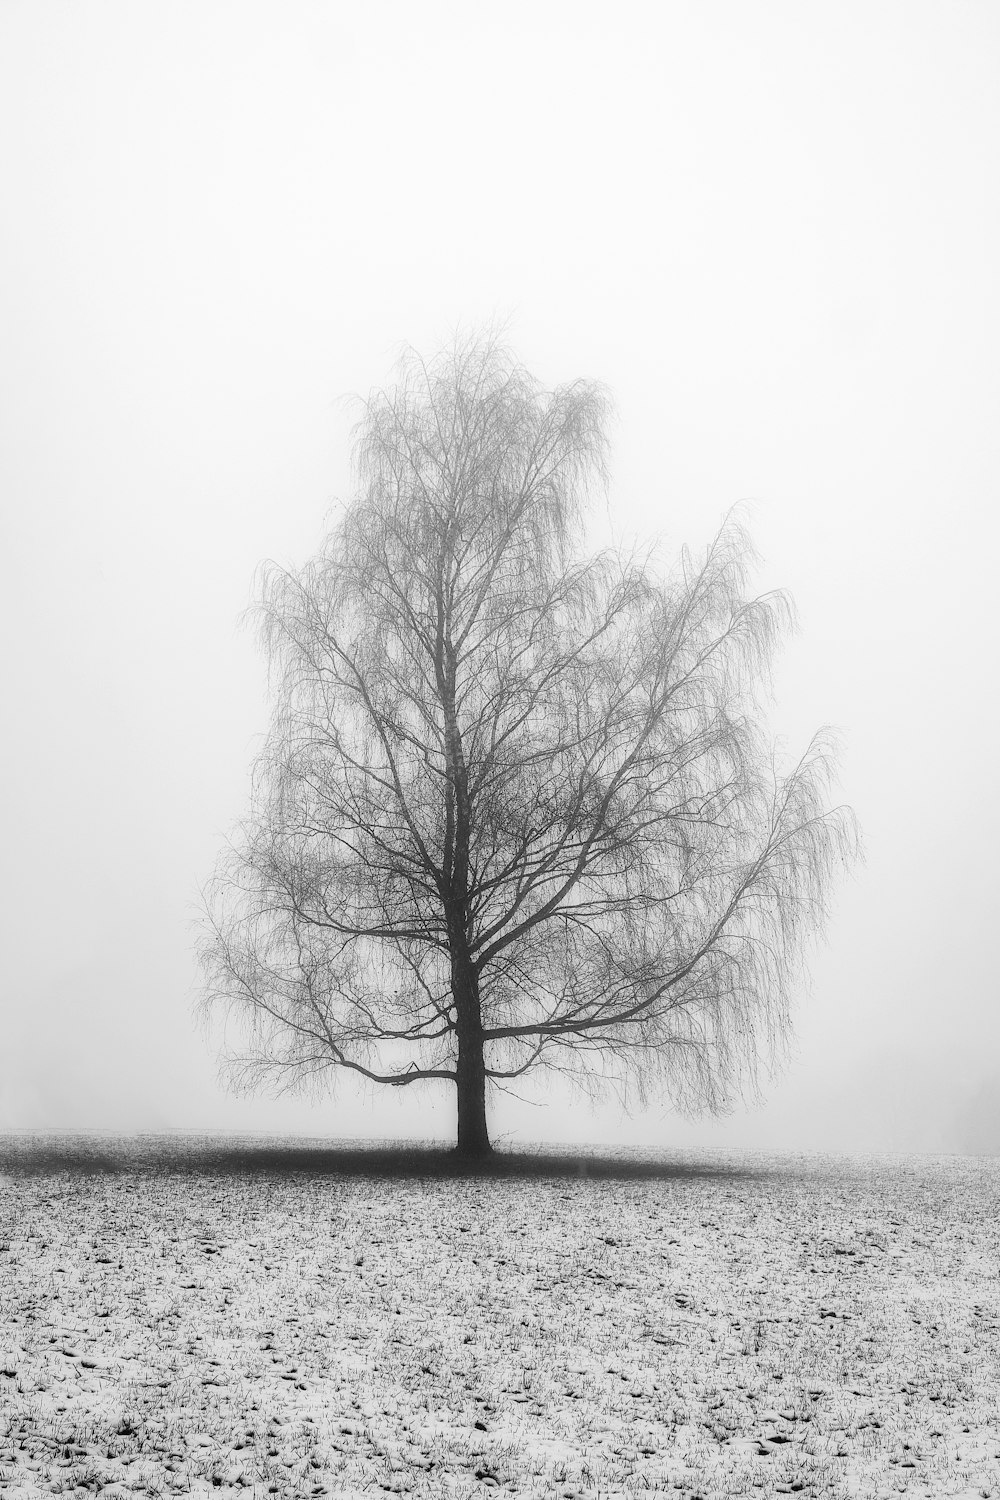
(771, 229)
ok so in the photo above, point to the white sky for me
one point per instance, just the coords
(772, 229)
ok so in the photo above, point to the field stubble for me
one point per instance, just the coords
(713, 1325)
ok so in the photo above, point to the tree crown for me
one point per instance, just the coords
(516, 803)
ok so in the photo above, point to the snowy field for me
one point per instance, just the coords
(175, 1319)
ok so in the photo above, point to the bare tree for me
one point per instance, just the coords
(515, 809)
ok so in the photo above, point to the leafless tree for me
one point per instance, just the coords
(516, 809)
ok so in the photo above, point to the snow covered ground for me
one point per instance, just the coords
(711, 1325)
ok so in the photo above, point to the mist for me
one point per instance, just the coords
(771, 231)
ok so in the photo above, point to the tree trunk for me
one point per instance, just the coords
(473, 1133)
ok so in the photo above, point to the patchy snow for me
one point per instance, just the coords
(746, 1324)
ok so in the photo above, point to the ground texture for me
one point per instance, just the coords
(700, 1326)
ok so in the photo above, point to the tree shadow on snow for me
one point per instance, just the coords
(47, 1154)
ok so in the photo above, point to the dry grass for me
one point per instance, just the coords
(300, 1324)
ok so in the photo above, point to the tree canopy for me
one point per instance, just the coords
(517, 808)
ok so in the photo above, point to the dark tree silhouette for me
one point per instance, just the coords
(516, 809)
